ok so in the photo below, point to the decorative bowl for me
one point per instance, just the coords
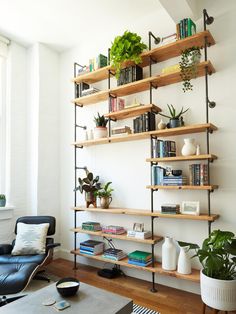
(177, 173)
(67, 286)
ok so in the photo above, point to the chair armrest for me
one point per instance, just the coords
(52, 245)
(5, 249)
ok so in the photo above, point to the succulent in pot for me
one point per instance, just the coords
(105, 195)
(175, 119)
(218, 276)
(90, 185)
(2, 200)
(100, 130)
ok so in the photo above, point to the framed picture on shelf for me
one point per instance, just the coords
(190, 208)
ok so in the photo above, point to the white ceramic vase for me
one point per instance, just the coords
(218, 294)
(169, 254)
(161, 125)
(189, 148)
(184, 262)
(100, 132)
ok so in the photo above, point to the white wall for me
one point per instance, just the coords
(124, 163)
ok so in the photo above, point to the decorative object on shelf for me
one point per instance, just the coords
(169, 255)
(138, 227)
(89, 185)
(121, 130)
(2, 200)
(176, 119)
(161, 125)
(127, 47)
(90, 134)
(198, 151)
(184, 261)
(190, 59)
(190, 208)
(177, 173)
(189, 148)
(218, 276)
(101, 130)
(105, 195)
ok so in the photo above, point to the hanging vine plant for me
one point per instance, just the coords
(188, 66)
(127, 47)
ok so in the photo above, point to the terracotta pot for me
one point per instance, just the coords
(105, 202)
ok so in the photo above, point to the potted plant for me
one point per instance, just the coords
(218, 276)
(100, 130)
(105, 195)
(176, 119)
(127, 47)
(188, 66)
(2, 200)
(90, 186)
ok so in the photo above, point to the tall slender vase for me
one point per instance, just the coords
(169, 255)
(184, 262)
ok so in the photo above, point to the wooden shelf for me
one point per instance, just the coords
(183, 187)
(119, 236)
(140, 212)
(183, 158)
(132, 112)
(197, 128)
(142, 85)
(195, 276)
(160, 53)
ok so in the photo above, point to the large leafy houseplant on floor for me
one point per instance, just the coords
(218, 277)
(127, 47)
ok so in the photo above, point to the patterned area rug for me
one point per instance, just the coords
(137, 309)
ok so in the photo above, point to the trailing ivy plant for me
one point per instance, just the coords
(188, 66)
(127, 47)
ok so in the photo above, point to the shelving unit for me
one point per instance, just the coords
(203, 40)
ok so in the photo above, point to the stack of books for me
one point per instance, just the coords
(91, 247)
(117, 104)
(114, 254)
(113, 229)
(198, 174)
(121, 130)
(140, 258)
(185, 28)
(170, 209)
(139, 234)
(91, 226)
(130, 74)
(174, 180)
(164, 148)
(144, 123)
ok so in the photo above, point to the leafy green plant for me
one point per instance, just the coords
(100, 121)
(105, 190)
(2, 197)
(188, 66)
(89, 183)
(173, 113)
(217, 254)
(127, 47)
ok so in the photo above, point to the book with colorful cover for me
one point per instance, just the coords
(140, 255)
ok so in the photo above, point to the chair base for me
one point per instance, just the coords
(4, 300)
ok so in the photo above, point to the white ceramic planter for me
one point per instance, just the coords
(169, 254)
(184, 262)
(218, 294)
(100, 132)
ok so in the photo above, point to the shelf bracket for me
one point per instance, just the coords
(81, 168)
(81, 126)
(211, 104)
(153, 86)
(79, 105)
(79, 146)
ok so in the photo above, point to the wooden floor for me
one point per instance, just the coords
(166, 300)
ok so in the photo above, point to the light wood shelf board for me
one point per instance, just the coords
(195, 276)
(93, 77)
(132, 112)
(183, 187)
(91, 99)
(148, 213)
(119, 236)
(183, 158)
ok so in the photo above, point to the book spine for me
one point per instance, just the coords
(178, 31)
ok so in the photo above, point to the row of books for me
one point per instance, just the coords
(94, 64)
(117, 104)
(198, 174)
(140, 258)
(144, 123)
(186, 27)
(130, 74)
(163, 148)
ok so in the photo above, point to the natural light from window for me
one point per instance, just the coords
(2, 126)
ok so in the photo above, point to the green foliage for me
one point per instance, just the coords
(188, 66)
(127, 47)
(173, 113)
(217, 255)
(105, 190)
(2, 197)
(89, 183)
(100, 120)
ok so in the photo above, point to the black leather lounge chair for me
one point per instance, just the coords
(16, 271)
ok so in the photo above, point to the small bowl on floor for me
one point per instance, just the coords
(67, 287)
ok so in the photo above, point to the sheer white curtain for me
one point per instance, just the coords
(3, 56)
